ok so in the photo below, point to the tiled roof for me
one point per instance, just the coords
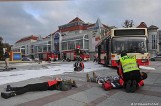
(142, 25)
(84, 26)
(32, 37)
(76, 20)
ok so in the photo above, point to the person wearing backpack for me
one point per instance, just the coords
(56, 84)
(78, 66)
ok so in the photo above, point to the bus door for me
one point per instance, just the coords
(107, 51)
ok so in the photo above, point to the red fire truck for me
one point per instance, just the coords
(47, 56)
(71, 55)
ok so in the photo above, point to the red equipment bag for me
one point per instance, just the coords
(107, 85)
(82, 65)
(121, 82)
(141, 83)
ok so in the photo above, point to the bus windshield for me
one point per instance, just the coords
(129, 45)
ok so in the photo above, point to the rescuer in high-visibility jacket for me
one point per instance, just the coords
(129, 71)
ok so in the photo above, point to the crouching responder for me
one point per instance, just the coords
(129, 71)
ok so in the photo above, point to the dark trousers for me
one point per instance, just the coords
(31, 87)
(133, 75)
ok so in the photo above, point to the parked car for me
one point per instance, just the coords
(156, 58)
(26, 59)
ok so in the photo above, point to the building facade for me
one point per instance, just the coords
(24, 45)
(153, 38)
(153, 44)
(78, 32)
(66, 38)
(159, 34)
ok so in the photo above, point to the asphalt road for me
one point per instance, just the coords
(89, 94)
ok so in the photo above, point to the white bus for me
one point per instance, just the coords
(133, 41)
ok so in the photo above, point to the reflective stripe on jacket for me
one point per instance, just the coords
(129, 63)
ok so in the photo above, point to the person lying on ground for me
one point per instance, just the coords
(56, 84)
(107, 82)
(115, 82)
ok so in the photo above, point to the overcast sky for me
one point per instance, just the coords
(20, 19)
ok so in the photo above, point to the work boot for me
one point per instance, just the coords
(87, 77)
(93, 79)
(134, 86)
(7, 95)
(128, 86)
(74, 84)
(94, 75)
(9, 88)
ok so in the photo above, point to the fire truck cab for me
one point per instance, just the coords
(71, 55)
(49, 56)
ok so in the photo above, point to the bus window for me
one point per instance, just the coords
(129, 45)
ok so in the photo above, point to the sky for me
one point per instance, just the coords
(19, 19)
(17, 75)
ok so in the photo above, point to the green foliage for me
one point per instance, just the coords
(128, 24)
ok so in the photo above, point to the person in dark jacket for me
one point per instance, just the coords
(6, 57)
(56, 84)
(129, 71)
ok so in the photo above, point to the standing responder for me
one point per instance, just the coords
(6, 57)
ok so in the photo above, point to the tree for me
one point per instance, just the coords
(128, 24)
(3, 45)
(1, 39)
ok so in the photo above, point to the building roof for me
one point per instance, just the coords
(153, 27)
(32, 37)
(76, 20)
(142, 25)
(82, 26)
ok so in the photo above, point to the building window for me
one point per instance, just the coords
(35, 49)
(23, 50)
(71, 45)
(80, 42)
(154, 42)
(39, 48)
(86, 44)
(86, 36)
(64, 45)
(45, 48)
(49, 48)
(49, 42)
